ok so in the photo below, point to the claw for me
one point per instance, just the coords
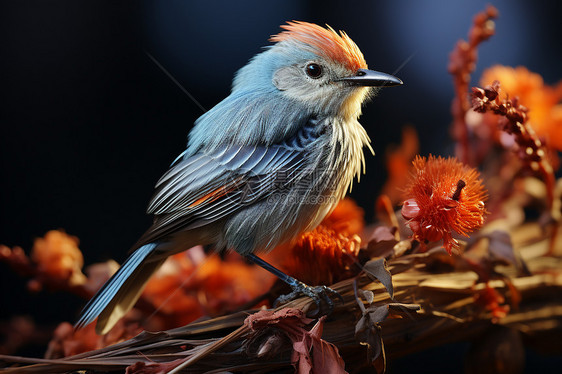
(319, 294)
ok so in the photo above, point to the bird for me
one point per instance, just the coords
(264, 165)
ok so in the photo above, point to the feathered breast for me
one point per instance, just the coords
(349, 139)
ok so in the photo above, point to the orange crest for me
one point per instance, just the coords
(324, 42)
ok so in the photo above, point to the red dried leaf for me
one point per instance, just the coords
(311, 354)
(325, 356)
(291, 320)
(153, 368)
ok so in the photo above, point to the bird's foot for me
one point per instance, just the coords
(321, 295)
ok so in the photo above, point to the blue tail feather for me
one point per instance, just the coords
(108, 292)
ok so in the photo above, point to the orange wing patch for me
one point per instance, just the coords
(212, 196)
(218, 193)
(326, 42)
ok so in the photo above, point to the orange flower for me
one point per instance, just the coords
(325, 254)
(58, 257)
(444, 196)
(192, 284)
(543, 101)
(225, 285)
(67, 341)
(346, 218)
(322, 256)
(166, 290)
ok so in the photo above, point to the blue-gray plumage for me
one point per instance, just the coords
(265, 164)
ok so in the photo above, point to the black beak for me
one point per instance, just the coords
(372, 78)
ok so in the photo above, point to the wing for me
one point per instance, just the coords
(209, 186)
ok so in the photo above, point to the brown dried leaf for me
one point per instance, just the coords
(368, 330)
(403, 309)
(376, 270)
(382, 242)
(368, 333)
(501, 248)
(499, 251)
(369, 296)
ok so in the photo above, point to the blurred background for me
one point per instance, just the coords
(88, 122)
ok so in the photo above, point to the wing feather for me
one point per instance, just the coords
(208, 186)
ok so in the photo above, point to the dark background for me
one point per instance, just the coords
(88, 123)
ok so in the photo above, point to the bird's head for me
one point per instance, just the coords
(316, 67)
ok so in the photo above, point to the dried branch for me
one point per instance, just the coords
(448, 313)
(462, 62)
(530, 149)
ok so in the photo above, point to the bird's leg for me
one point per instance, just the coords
(316, 293)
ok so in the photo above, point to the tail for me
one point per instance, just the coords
(121, 291)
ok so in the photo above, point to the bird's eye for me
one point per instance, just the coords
(313, 70)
